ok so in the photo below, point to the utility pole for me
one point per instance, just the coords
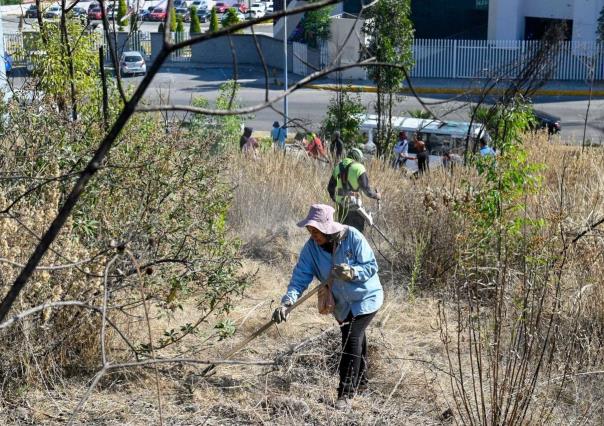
(285, 83)
(3, 82)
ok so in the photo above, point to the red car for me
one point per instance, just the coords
(221, 7)
(158, 14)
(95, 14)
(241, 6)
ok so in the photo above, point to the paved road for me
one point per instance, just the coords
(311, 105)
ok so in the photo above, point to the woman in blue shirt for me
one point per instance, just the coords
(342, 252)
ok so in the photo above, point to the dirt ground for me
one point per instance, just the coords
(406, 381)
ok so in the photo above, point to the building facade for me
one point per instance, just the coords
(529, 19)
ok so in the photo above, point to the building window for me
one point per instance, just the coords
(536, 28)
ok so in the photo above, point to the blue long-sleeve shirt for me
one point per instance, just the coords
(362, 295)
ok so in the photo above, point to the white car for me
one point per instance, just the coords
(257, 10)
(132, 63)
(53, 12)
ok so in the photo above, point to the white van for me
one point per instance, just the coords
(439, 136)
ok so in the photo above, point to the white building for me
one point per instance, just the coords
(527, 19)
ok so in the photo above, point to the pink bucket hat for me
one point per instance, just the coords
(320, 216)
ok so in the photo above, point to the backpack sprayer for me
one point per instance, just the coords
(355, 203)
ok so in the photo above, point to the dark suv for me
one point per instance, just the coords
(32, 11)
(545, 120)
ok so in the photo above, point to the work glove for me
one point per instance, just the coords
(280, 314)
(343, 272)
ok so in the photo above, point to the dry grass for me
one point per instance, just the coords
(410, 379)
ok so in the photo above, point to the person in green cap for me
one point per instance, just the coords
(348, 180)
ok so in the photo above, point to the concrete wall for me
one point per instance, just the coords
(585, 19)
(348, 48)
(554, 9)
(218, 51)
(505, 20)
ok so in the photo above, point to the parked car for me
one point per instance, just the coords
(242, 7)
(111, 11)
(132, 63)
(257, 10)
(547, 121)
(32, 11)
(184, 12)
(221, 7)
(78, 13)
(53, 12)
(145, 14)
(158, 14)
(93, 5)
(180, 3)
(203, 15)
(95, 14)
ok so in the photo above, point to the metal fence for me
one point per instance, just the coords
(569, 60)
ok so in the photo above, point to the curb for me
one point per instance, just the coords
(455, 90)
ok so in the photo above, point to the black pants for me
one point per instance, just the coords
(351, 218)
(353, 364)
(423, 162)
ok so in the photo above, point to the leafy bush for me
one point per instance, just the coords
(158, 205)
(344, 114)
(230, 18)
(213, 21)
(316, 26)
(195, 24)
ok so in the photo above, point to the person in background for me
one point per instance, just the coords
(314, 148)
(486, 150)
(451, 160)
(341, 252)
(401, 151)
(247, 133)
(336, 147)
(423, 158)
(278, 134)
(348, 180)
(250, 147)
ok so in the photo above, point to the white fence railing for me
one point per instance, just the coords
(569, 60)
(433, 58)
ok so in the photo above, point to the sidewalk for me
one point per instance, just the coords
(437, 86)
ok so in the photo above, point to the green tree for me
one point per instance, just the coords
(316, 25)
(344, 114)
(195, 25)
(56, 80)
(230, 18)
(223, 130)
(122, 11)
(180, 26)
(213, 21)
(172, 20)
(390, 32)
(600, 28)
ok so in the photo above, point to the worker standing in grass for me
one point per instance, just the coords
(348, 180)
(342, 253)
(278, 134)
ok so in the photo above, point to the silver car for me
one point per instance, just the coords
(132, 63)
